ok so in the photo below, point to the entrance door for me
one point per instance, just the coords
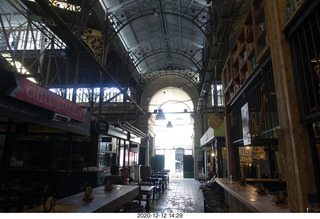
(158, 163)
(188, 167)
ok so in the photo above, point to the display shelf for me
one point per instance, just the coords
(107, 151)
(250, 48)
(264, 52)
(248, 27)
(259, 14)
(292, 15)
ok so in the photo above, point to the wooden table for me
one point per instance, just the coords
(103, 201)
(248, 196)
(156, 191)
(147, 191)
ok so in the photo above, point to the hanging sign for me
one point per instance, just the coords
(101, 126)
(30, 92)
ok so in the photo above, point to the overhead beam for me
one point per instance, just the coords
(61, 23)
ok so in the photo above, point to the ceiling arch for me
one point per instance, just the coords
(190, 61)
(191, 76)
(186, 48)
(170, 94)
(153, 31)
(170, 66)
(122, 14)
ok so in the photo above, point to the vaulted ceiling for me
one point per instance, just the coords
(141, 40)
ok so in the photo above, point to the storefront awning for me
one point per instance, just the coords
(211, 134)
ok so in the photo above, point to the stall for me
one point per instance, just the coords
(213, 145)
(42, 143)
(118, 145)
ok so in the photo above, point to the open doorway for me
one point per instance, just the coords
(174, 134)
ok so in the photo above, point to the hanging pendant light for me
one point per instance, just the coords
(160, 115)
(169, 125)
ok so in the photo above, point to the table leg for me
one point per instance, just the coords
(148, 203)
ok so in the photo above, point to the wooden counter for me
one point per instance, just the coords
(103, 201)
(265, 180)
(248, 197)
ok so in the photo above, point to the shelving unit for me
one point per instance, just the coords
(107, 151)
(289, 14)
(250, 48)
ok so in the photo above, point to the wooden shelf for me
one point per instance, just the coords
(251, 53)
(229, 85)
(242, 48)
(249, 35)
(259, 17)
(294, 15)
(244, 66)
(264, 52)
(262, 34)
(250, 47)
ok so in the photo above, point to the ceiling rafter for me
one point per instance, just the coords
(189, 50)
(124, 15)
(194, 62)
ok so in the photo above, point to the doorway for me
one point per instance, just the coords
(174, 132)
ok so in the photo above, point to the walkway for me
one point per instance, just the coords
(181, 196)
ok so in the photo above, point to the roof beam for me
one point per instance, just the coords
(61, 23)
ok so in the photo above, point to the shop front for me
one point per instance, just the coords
(42, 143)
(213, 145)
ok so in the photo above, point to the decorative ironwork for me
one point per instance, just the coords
(256, 128)
(94, 40)
(305, 50)
(128, 11)
(178, 45)
(96, 44)
(260, 95)
(189, 75)
(181, 47)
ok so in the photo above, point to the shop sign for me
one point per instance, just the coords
(208, 149)
(101, 126)
(30, 92)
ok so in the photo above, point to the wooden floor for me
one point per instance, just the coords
(181, 196)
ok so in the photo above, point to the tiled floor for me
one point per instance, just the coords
(181, 196)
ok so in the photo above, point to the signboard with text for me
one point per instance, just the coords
(30, 92)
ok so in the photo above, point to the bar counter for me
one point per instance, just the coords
(248, 197)
(104, 201)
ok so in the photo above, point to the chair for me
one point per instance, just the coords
(157, 187)
(135, 205)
